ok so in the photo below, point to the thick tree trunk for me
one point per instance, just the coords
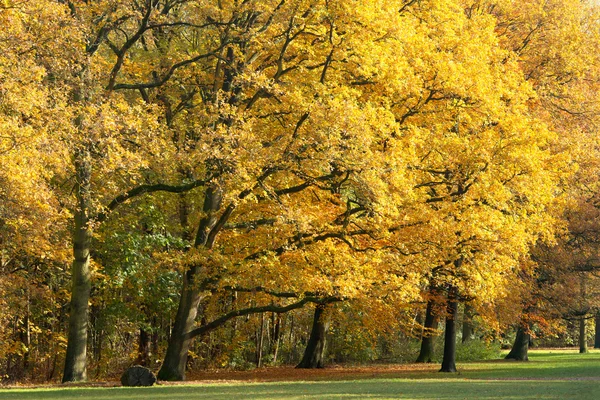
(75, 359)
(315, 348)
(597, 335)
(583, 347)
(449, 360)
(173, 367)
(521, 346)
(426, 353)
(467, 326)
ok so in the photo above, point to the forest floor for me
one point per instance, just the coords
(550, 374)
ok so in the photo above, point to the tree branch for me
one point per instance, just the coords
(137, 191)
(256, 310)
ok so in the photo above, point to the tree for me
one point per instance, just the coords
(315, 348)
(319, 152)
(31, 222)
(521, 345)
(449, 360)
(467, 323)
(432, 315)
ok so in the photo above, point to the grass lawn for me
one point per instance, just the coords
(549, 375)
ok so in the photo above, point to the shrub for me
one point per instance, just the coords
(476, 350)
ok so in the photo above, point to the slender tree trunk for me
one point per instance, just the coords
(260, 341)
(143, 357)
(597, 334)
(75, 359)
(315, 348)
(26, 337)
(173, 367)
(155, 331)
(429, 329)
(467, 326)
(521, 346)
(449, 360)
(276, 336)
(583, 347)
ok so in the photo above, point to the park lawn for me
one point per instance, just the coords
(549, 375)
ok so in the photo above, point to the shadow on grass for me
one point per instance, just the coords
(372, 389)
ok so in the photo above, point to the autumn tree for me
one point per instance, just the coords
(315, 152)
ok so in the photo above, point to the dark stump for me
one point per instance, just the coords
(138, 376)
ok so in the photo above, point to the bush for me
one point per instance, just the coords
(475, 350)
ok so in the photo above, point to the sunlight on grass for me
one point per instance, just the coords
(549, 375)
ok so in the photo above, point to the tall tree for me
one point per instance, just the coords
(314, 353)
(449, 359)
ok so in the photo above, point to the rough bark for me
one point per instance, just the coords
(583, 347)
(173, 368)
(427, 349)
(467, 326)
(449, 360)
(315, 348)
(521, 346)
(75, 359)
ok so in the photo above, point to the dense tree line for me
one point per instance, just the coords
(187, 183)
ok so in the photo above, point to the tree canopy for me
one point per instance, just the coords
(206, 161)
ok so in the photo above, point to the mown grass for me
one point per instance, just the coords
(549, 375)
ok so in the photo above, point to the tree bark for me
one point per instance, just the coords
(597, 334)
(315, 348)
(75, 359)
(26, 337)
(467, 326)
(521, 346)
(427, 349)
(449, 360)
(260, 341)
(173, 367)
(276, 336)
(583, 347)
(144, 353)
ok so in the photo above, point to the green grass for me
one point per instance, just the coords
(549, 375)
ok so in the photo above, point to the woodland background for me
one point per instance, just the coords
(188, 184)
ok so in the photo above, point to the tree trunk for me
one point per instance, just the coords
(154, 340)
(597, 335)
(449, 360)
(521, 346)
(75, 359)
(467, 326)
(426, 353)
(173, 367)
(315, 348)
(260, 341)
(26, 337)
(583, 348)
(276, 336)
(143, 357)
